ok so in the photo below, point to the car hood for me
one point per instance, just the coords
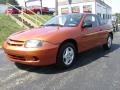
(42, 33)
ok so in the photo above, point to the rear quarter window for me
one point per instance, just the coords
(101, 21)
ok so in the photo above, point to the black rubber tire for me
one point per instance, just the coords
(38, 12)
(105, 46)
(60, 63)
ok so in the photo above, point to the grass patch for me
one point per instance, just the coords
(40, 20)
(7, 27)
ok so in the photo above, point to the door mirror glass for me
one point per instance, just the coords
(87, 24)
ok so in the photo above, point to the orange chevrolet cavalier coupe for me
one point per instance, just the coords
(59, 40)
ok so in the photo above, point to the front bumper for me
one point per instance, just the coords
(32, 56)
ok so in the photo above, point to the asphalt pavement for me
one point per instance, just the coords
(95, 69)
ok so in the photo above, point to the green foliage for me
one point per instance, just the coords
(41, 21)
(2, 1)
(118, 16)
(13, 2)
(7, 27)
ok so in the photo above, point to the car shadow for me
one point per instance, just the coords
(84, 58)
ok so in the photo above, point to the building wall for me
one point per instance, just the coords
(103, 11)
(80, 6)
(65, 2)
(90, 6)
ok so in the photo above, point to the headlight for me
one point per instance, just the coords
(33, 43)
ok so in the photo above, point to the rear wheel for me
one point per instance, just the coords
(66, 55)
(108, 45)
(38, 12)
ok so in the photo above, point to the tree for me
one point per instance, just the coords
(2, 1)
(118, 17)
(13, 2)
(56, 7)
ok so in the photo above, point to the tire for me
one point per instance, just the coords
(117, 28)
(38, 12)
(66, 56)
(108, 45)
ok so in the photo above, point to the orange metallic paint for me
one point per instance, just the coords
(52, 37)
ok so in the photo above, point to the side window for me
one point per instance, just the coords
(101, 21)
(92, 19)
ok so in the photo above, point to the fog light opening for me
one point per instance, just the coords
(36, 59)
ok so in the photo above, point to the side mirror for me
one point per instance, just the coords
(87, 24)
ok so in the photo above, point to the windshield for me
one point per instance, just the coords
(64, 20)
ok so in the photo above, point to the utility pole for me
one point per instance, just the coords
(56, 7)
(70, 2)
(41, 6)
(25, 3)
(7, 1)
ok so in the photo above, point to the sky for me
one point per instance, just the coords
(46, 3)
(115, 4)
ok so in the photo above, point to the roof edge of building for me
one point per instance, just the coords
(103, 3)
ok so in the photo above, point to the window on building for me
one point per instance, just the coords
(106, 17)
(87, 8)
(64, 10)
(99, 14)
(76, 9)
(110, 16)
(103, 16)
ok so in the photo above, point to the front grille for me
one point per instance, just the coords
(15, 42)
(16, 57)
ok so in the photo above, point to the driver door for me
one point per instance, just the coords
(89, 33)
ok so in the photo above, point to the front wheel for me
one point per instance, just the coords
(66, 55)
(108, 45)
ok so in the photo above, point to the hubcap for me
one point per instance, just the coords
(68, 55)
(109, 42)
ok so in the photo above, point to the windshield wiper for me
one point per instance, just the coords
(53, 25)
